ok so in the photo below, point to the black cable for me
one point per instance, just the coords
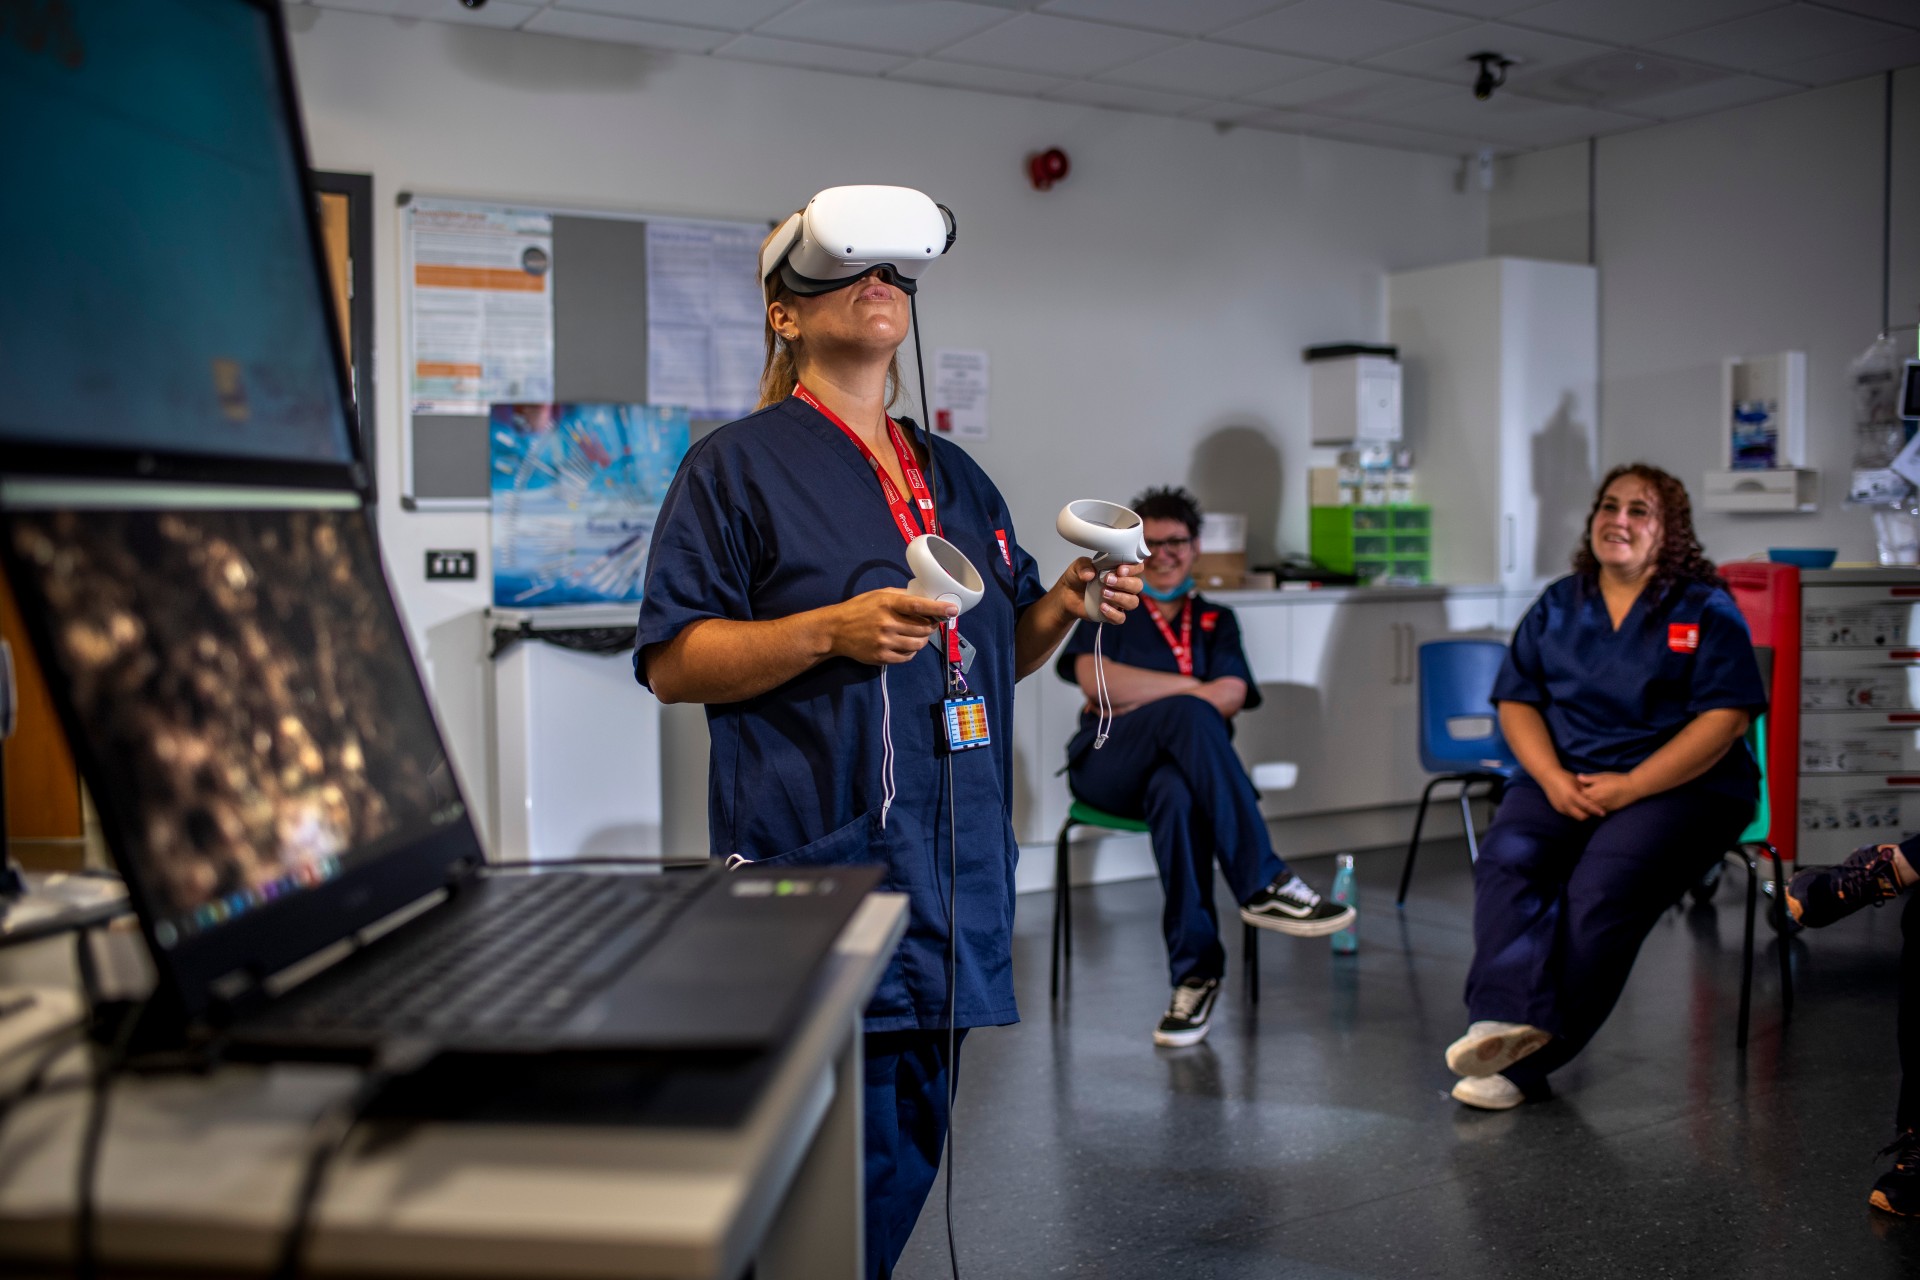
(86, 1261)
(331, 1129)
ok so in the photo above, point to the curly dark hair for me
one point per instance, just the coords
(1681, 558)
(1170, 502)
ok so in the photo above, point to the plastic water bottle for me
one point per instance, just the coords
(1346, 893)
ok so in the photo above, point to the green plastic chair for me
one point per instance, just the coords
(1082, 814)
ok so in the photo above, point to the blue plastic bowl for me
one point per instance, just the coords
(1805, 557)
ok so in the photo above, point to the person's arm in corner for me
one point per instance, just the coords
(1526, 732)
(1045, 622)
(1128, 687)
(722, 660)
(1687, 755)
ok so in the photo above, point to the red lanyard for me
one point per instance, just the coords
(902, 510)
(1182, 647)
(903, 517)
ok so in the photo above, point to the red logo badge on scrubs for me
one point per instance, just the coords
(1006, 552)
(1683, 637)
(1209, 620)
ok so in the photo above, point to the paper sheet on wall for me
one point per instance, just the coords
(960, 384)
(704, 321)
(482, 313)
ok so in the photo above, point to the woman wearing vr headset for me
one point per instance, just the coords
(774, 595)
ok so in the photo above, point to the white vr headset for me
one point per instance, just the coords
(846, 232)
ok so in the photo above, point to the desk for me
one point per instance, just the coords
(199, 1174)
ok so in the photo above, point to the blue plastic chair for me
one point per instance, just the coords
(1460, 738)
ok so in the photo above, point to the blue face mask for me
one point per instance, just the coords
(1153, 593)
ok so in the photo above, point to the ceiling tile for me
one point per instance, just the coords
(1352, 91)
(959, 75)
(1122, 97)
(507, 14)
(1386, 135)
(1182, 17)
(1481, 8)
(1615, 78)
(1769, 40)
(1056, 46)
(814, 57)
(1447, 55)
(897, 28)
(1511, 120)
(1636, 22)
(1213, 70)
(1901, 11)
(1719, 95)
(1850, 64)
(1341, 29)
(727, 15)
(600, 26)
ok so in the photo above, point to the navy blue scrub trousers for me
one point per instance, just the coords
(1172, 763)
(906, 1126)
(1908, 1116)
(1560, 907)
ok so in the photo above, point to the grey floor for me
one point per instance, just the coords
(1312, 1136)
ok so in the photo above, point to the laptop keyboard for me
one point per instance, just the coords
(523, 959)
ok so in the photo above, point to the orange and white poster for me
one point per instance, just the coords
(482, 313)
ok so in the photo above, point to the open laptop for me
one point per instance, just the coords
(183, 516)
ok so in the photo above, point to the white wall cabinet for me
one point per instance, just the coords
(1501, 362)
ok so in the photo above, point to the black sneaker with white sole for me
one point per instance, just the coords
(1187, 1016)
(1291, 906)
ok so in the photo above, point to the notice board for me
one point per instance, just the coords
(518, 303)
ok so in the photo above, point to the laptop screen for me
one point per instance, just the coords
(164, 310)
(240, 686)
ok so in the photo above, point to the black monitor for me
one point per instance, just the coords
(239, 692)
(165, 310)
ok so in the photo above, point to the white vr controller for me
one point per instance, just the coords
(942, 572)
(1114, 534)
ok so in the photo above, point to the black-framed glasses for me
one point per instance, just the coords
(1168, 544)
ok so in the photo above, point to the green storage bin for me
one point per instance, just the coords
(1374, 542)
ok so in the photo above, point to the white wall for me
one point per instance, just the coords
(1145, 318)
(1745, 232)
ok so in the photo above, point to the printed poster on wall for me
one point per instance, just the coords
(960, 384)
(576, 492)
(482, 313)
(705, 317)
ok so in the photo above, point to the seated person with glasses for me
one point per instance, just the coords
(1176, 677)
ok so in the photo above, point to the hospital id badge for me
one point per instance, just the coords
(965, 722)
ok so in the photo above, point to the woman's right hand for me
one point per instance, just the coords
(884, 626)
(1567, 796)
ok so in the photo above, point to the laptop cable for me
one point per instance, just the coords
(328, 1136)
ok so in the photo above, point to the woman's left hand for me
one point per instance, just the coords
(1611, 791)
(1120, 596)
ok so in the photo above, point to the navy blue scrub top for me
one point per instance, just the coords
(776, 514)
(1138, 643)
(1611, 699)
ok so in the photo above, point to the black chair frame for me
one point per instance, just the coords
(1496, 784)
(1062, 947)
(1748, 856)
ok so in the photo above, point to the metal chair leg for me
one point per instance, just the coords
(1466, 820)
(1413, 845)
(1746, 947)
(1250, 960)
(1062, 946)
(1779, 906)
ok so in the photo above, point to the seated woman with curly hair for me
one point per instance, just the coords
(1625, 696)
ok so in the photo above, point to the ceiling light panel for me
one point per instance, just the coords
(1214, 70)
(1181, 17)
(1765, 41)
(1340, 30)
(1056, 46)
(898, 28)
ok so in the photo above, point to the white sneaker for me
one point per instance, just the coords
(1489, 1093)
(1489, 1048)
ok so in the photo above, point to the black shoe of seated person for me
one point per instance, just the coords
(1819, 896)
(1289, 905)
(1189, 1015)
(1898, 1190)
